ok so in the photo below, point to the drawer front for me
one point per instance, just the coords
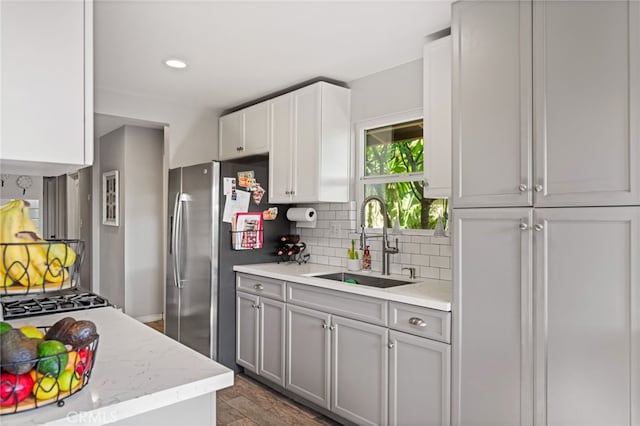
(267, 287)
(348, 305)
(420, 321)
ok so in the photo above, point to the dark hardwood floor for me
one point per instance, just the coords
(249, 403)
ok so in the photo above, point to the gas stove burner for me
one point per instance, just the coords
(51, 303)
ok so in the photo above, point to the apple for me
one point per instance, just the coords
(10, 388)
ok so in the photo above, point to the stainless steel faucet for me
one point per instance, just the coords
(386, 248)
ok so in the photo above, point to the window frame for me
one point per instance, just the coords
(361, 180)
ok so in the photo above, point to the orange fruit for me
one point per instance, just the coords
(74, 359)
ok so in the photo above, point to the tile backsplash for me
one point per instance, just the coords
(329, 241)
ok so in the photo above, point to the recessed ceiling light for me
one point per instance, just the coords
(175, 63)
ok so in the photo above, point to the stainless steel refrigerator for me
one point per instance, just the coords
(200, 282)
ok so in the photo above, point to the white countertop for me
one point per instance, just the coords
(137, 369)
(429, 293)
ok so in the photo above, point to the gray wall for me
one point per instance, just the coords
(112, 237)
(390, 91)
(144, 283)
(131, 267)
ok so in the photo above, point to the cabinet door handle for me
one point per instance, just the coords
(253, 305)
(324, 325)
(417, 322)
(240, 148)
(522, 187)
(539, 227)
(258, 287)
(523, 226)
(390, 345)
(538, 188)
(332, 327)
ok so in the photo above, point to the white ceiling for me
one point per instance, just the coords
(240, 51)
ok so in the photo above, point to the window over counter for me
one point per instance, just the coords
(391, 166)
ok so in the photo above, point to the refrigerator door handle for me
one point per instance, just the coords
(182, 197)
(173, 245)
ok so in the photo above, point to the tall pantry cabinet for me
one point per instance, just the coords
(546, 197)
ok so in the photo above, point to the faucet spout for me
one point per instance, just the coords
(386, 248)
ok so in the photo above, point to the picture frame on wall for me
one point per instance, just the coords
(110, 198)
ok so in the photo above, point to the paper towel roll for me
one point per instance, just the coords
(301, 214)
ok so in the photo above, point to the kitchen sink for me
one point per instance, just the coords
(363, 280)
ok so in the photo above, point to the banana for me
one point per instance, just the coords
(57, 253)
(19, 260)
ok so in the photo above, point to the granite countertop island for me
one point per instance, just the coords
(140, 376)
(429, 293)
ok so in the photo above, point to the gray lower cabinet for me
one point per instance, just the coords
(260, 340)
(492, 319)
(271, 341)
(363, 372)
(419, 381)
(359, 356)
(247, 317)
(587, 329)
(308, 354)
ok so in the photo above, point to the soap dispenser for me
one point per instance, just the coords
(366, 259)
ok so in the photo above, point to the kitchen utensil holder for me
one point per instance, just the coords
(248, 240)
(34, 267)
(9, 403)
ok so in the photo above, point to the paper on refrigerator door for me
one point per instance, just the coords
(231, 206)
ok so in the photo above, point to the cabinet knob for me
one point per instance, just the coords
(522, 187)
(325, 326)
(258, 287)
(390, 345)
(240, 148)
(417, 322)
(253, 305)
(539, 227)
(523, 226)
(538, 188)
(332, 327)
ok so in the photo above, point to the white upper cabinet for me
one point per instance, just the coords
(582, 59)
(586, 60)
(245, 132)
(46, 116)
(310, 145)
(231, 130)
(491, 103)
(437, 118)
(280, 172)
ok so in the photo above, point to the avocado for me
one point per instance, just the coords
(72, 332)
(18, 353)
(59, 329)
(81, 333)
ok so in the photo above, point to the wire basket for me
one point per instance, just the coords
(247, 240)
(39, 386)
(40, 266)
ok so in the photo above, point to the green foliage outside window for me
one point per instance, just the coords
(399, 150)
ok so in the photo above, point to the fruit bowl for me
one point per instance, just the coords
(39, 266)
(28, 262)
(28, 384)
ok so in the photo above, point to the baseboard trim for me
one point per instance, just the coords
(149, 318)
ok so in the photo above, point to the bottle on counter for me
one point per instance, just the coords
(295, 249)
(366, 259)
